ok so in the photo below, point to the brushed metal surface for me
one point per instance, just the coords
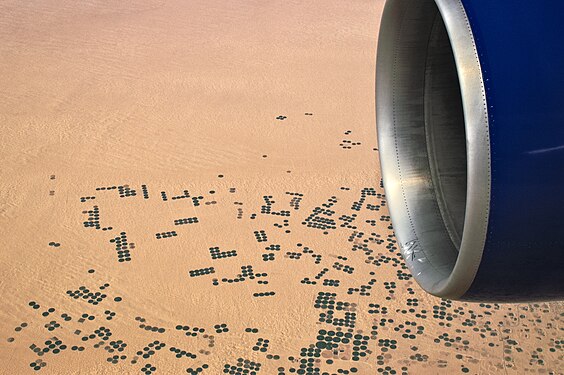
(434, 144)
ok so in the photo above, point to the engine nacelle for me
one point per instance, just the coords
(470, 116)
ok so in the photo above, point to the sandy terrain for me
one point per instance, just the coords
(193, 187)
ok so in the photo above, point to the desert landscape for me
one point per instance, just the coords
(194, 187)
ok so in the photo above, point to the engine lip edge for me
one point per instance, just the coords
(476, 122)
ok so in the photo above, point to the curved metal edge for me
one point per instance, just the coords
(416, 259)
(478, 150)
(459, 281)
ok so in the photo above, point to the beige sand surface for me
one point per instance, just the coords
(184, 96)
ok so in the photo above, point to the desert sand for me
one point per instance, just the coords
(194, 187)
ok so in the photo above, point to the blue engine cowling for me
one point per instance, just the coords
(470, 117)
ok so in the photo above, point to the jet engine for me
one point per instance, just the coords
(470, 120)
